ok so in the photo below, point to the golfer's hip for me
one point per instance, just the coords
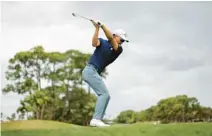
(90, 72)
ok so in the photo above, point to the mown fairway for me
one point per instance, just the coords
(49, 128)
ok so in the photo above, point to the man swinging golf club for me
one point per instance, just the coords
(105, 53)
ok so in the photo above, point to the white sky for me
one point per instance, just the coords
(169, 51)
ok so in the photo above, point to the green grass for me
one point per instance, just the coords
(49, 128)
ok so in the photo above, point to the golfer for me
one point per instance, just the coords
(106, 51)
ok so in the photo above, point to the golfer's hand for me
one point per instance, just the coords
(96, 24)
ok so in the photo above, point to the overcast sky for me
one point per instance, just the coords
(169, 51)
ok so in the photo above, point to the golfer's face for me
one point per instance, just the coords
(120, 40)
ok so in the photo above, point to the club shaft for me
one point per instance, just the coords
(82, 16)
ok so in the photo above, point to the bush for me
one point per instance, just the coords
(165, 121)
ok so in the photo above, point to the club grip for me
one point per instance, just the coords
(99, 24)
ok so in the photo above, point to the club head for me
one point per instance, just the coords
(73, 14)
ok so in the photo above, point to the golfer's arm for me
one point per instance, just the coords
(109, 36)
(95, 40)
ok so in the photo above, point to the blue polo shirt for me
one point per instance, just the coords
(104, 55)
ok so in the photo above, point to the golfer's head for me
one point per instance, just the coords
(120, 36)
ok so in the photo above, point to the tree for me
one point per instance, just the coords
(2, 116)
(69, 74)
(176, 108)
(180, 108)
(25, 72)
(46, 79)
(81, 106)
(12, 118)
(127, 116)
(54, 87)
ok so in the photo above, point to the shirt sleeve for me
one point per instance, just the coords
(101, 41)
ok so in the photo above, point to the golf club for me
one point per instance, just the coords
(77, 15)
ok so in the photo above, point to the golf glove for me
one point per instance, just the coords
(99, 23)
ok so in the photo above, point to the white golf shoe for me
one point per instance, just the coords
(98, 123)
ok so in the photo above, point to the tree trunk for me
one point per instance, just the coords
(37, 114)
(65, 100)
(86, 120)
(42, 111)
(184, 113)
(38, 75)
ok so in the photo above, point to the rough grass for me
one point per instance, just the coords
(33, 124)
(49, 128)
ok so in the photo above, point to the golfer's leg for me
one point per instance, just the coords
(100, 89)
(105, 107)
(97, 84)
(101, 104)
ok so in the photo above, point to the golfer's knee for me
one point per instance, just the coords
(107, 96)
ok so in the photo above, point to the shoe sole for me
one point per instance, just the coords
(97, 126)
